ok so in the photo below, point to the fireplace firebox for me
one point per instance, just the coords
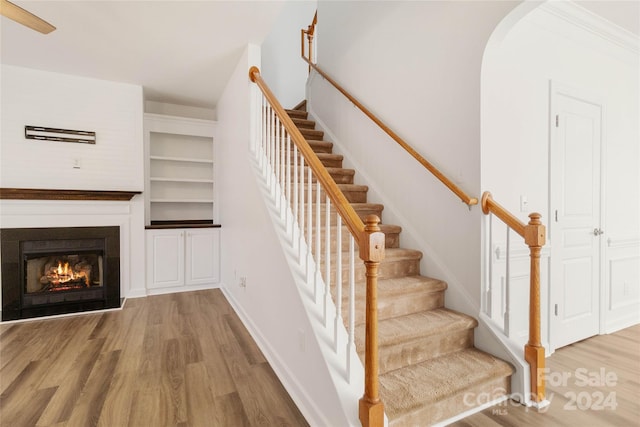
(49, 271)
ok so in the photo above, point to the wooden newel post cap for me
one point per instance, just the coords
(372, 248)
(535, 231)
(371, 223)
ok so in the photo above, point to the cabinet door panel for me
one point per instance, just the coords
(165, 259)
(202, 255)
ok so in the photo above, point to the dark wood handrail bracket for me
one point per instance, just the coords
(533, 234)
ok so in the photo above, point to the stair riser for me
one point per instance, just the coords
(312, 134)
(362, 213)
(388, 269)
(454, 405)
(391, 241)
(330, 162)
(338, 176)
(316, 145)
(303, 123)
(392, 306)
(353, 196)
(404, 354)
(300, 114)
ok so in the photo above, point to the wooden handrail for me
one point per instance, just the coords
(490, 205)
(408, 148)
(533, 234)
(342, 205)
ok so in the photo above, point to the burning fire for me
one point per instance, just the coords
(64, 274)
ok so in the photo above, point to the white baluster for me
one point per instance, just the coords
(267, 144)
(273, 152)
(303, 257)
(507, 311)
(263, 111)
(318, 254)
(327, 258)
(287, 184)
(277, 151)
(294, 206)
(337, 324)
(351, 345)
(310, 231)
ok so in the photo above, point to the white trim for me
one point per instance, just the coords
(594, 24)
(179, 289)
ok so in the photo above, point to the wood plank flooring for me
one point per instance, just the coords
(595, 382)
(169, 360)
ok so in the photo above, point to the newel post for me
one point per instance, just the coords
(371, 408)
(534, 237)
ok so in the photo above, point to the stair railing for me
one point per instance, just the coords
(470, 201)
(533, 234)
(296, 177)
(308, 34)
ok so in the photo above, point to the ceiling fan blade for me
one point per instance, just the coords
(24, 17)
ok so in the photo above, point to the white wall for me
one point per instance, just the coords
(420, 73)
(40, 98)
(517, 71)
(282, 67)
(114, 112)
(270, 305)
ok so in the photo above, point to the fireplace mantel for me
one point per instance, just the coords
(50, 194)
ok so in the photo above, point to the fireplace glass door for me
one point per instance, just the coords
(62, 270)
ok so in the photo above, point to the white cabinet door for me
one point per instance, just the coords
(202, 256)
(165, 258)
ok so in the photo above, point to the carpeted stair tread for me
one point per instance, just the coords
(418, 326)
(400, 287)
(409, 284)
(303, 123)
(408, 389)
(353, 187)
(312, 133)
(320, 146)
(332, 156)
(297, 113)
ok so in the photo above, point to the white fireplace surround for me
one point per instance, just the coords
(128, 215)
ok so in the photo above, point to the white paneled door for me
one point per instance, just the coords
(575, 225)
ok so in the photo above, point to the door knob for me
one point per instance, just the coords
(597, 232)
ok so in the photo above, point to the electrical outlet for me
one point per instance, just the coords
(243, 282)
(524, 204)
(77, 163)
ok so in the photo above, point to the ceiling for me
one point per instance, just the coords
(181, 52)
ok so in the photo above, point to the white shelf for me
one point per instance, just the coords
(180, 171)
(181, 159)
(160, 179)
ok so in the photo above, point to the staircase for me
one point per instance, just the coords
(430, 370)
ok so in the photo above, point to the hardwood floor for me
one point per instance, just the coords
(595, 382)
(170, 360)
